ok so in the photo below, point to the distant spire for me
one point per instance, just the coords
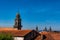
(45, 29)
(50, 29)
(36, 28)
(18, 21)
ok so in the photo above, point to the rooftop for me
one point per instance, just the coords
(14, 31)
(51, 35)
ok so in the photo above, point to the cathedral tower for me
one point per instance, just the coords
(18, 22)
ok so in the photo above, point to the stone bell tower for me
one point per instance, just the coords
(18, 22)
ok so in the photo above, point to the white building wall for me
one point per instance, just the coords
(18, 38)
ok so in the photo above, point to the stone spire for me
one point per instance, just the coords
(18, 21)
(50, 29)
(37, 28)
(45, 29)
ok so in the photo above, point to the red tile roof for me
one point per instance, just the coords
(8, 29)
(51, 35)
(56, 36)
(15, 32)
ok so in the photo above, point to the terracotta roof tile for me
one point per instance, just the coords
(56, 36)
(15, 32)
(8, 29)
(51, 35)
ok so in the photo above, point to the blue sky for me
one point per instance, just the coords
(33, 12)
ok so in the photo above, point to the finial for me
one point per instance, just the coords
(18, 13)
(18, 10)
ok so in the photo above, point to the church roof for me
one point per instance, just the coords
(15, 32)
